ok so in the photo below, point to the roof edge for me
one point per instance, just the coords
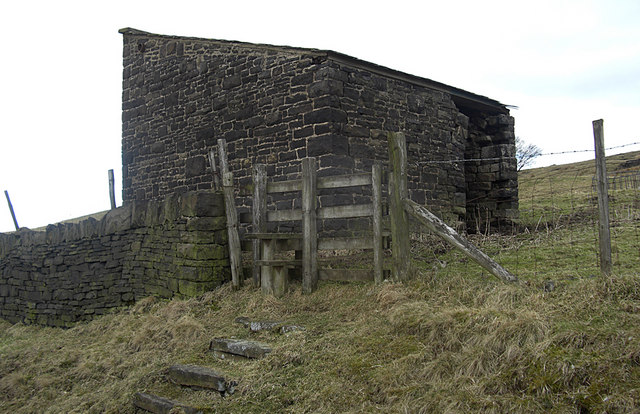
(460, 96)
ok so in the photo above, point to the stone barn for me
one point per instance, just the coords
(278, 104)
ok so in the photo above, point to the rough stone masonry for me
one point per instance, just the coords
(276, 105)
(73, 272)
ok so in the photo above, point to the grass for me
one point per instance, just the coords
(454, 339)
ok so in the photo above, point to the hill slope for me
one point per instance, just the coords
(449, 341)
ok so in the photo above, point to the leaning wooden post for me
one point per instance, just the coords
(376, 181)
(309, 230)
(437, 226)
(13, 214)
(397, 193)
(222, 157)
(235, 257)
(112, 191)
(259, 214)
(602, 185)
(214, 169)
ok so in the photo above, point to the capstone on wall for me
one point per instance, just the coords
(277, 105)
(73, 272)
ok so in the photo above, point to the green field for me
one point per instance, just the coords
(454, 339)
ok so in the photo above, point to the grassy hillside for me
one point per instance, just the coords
(452, 340)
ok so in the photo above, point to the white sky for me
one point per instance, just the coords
(563, 63)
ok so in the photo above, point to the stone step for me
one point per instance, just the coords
(223, 348)
(276, 326)
(160, 405)
(200, 377)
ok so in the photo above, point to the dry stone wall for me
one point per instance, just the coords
(72, 272)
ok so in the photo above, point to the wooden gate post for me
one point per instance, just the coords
(376, 183)
(309, 230)
(112, 190)
(235, 256)
(259, 214)
(13, 214)
(602, 185)
(397, 193)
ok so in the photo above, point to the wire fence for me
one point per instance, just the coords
(556, 234)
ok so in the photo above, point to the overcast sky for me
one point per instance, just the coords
(562, 63)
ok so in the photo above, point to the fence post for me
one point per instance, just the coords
(376, 181)
(602, 185)
(235, 257)
(214, 169)
(309, 230)
(112, 191)
(13, 214)
(259, 214)
(397, 193)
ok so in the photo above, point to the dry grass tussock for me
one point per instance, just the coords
(454, 344)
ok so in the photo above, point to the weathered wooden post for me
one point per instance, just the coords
(398, 192)
(602, 185)
(309, 230)
(214, 169)
(259, 214)
(112, 191)
(235, 257)
(437, 226)
(13, 214)
(267, 253)
(376, 181)
(235, 254)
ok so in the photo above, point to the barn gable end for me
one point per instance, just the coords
(276, 105)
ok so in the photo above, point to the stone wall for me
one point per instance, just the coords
(492, 180)
(71, 272)
(277, 105)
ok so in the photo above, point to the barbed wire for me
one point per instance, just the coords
(418, 163)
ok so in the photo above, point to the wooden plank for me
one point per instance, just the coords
(272, 236)
(346, 211)
(309, 230)
(259, 214)
(235, 255)
(345, 243)
(437, 226)
(284, 186)
(280, 281)
(112, 190)
(13, 214)
(341, 181)
(376, 195)
(214, 169)
(267, 253)
(602, 185)
(347, 275)
(280, 262)
(284, 215)
(222, 157)
(398, 192)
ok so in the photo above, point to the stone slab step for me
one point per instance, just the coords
(200, 377)
(276, 326)
(238, 347)
(160, 405)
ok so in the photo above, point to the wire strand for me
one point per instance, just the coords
(418, 163)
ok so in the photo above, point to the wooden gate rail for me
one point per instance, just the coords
(269, 271)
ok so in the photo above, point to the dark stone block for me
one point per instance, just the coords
(231, 82)
(325, 87)
(303, 79)
(205, 133)
(195, 166)
(325, 115)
